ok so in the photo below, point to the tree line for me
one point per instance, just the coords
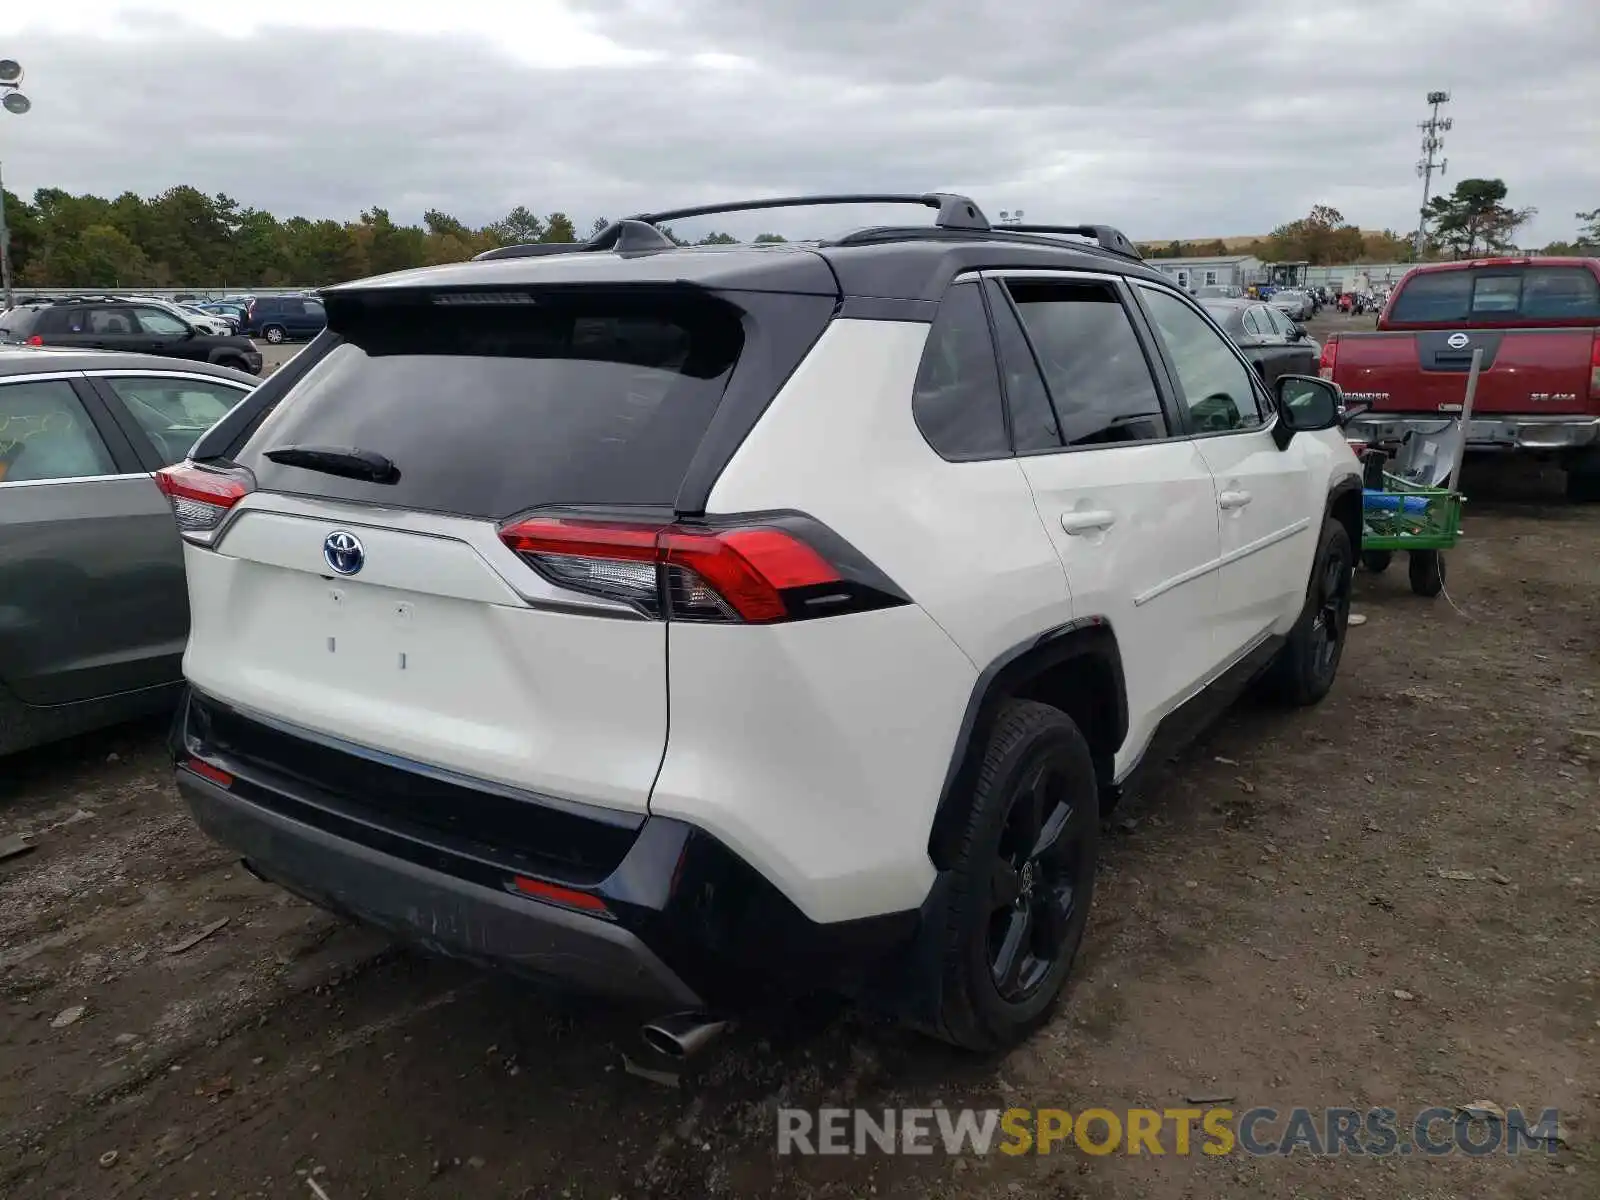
(185, 238)
(1471, 221)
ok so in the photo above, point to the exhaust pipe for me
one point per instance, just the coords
(682, 1035)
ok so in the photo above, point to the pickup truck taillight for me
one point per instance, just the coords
(1594, 368)
(1330, 356)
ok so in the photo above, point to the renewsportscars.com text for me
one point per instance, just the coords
(1376, 1132)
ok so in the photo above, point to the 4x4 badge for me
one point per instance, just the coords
(343, 553)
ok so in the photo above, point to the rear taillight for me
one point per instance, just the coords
(1594, 368)
(36, 340)
(1330, 359)
(201, 497)
(759, 573)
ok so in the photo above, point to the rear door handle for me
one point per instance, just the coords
(1087, 520)
(1227, 500)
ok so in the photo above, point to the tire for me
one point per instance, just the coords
(1427, 572)
(1377, 561)
(274, 334)
(1306, 667)
(1015, 915)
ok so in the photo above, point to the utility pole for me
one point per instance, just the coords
(16, 103)
(1432, 143)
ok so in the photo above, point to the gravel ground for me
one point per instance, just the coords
(1393, 899)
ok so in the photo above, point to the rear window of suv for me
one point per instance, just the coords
(487, 410)
(1490, 293)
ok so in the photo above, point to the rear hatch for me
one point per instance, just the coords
(1536, 326)
(382, 606)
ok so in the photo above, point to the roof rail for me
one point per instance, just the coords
(1107, 237)
(529, 250)
(955, 212)
(639, 233)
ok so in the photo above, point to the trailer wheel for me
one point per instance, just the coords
(1427, 572)
(1377, 561)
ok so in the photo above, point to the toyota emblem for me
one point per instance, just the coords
(343, 553)
(1457, 341)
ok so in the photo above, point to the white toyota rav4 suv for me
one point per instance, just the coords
(696, 624)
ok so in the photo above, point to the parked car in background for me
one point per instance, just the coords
(1296, 305)
(1273, 343)
(129, 325)
(91, 568)
(1537, 321)
(278, 319)
(212, 322)
(233, 314)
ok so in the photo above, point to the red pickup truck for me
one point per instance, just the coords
(1538, 323)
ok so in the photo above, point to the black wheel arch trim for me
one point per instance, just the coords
(1346, 485)
(1086, 637)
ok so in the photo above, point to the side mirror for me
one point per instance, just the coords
(1296, 332)
(1306, 404)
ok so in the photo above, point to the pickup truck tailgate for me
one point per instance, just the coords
(1524, 372)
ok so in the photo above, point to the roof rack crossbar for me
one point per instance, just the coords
(955, 212)
(1107, 237)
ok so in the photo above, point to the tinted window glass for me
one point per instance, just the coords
(488, 411)
(1515, 293)
(1094, 368)
(155, 320)
(45, 434)
(174, 412)
(1252, 323)
(108, 320)
(1033, 421)
(1216, 385)
(60, 319)
(957, 398)
(1281, 325)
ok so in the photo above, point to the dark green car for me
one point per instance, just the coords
(93, 608)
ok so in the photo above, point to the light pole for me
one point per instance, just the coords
(1432, 143)
(16, 103)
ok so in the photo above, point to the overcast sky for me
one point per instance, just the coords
(1168, 118)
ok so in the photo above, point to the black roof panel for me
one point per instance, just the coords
(776, 268)
(915, 263)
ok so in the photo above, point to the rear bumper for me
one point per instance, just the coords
(1503, 433)
(669, 916)
(448, 915)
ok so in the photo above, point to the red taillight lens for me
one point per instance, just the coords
(201, 498)
(1594, 368)
(555, 894)
(751, 574)
(206, 771)
(1330, 359)
(36, 340)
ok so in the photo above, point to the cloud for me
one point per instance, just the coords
(1168, 118)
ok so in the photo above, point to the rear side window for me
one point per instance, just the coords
(1487, 293)
(45, 434)
(957, 398)
(1095, 370)
(174, 412)
(65, 318)
(488, 410)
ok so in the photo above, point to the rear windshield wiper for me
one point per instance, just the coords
(348, 461)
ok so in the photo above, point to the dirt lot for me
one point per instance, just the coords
(1391, 900)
